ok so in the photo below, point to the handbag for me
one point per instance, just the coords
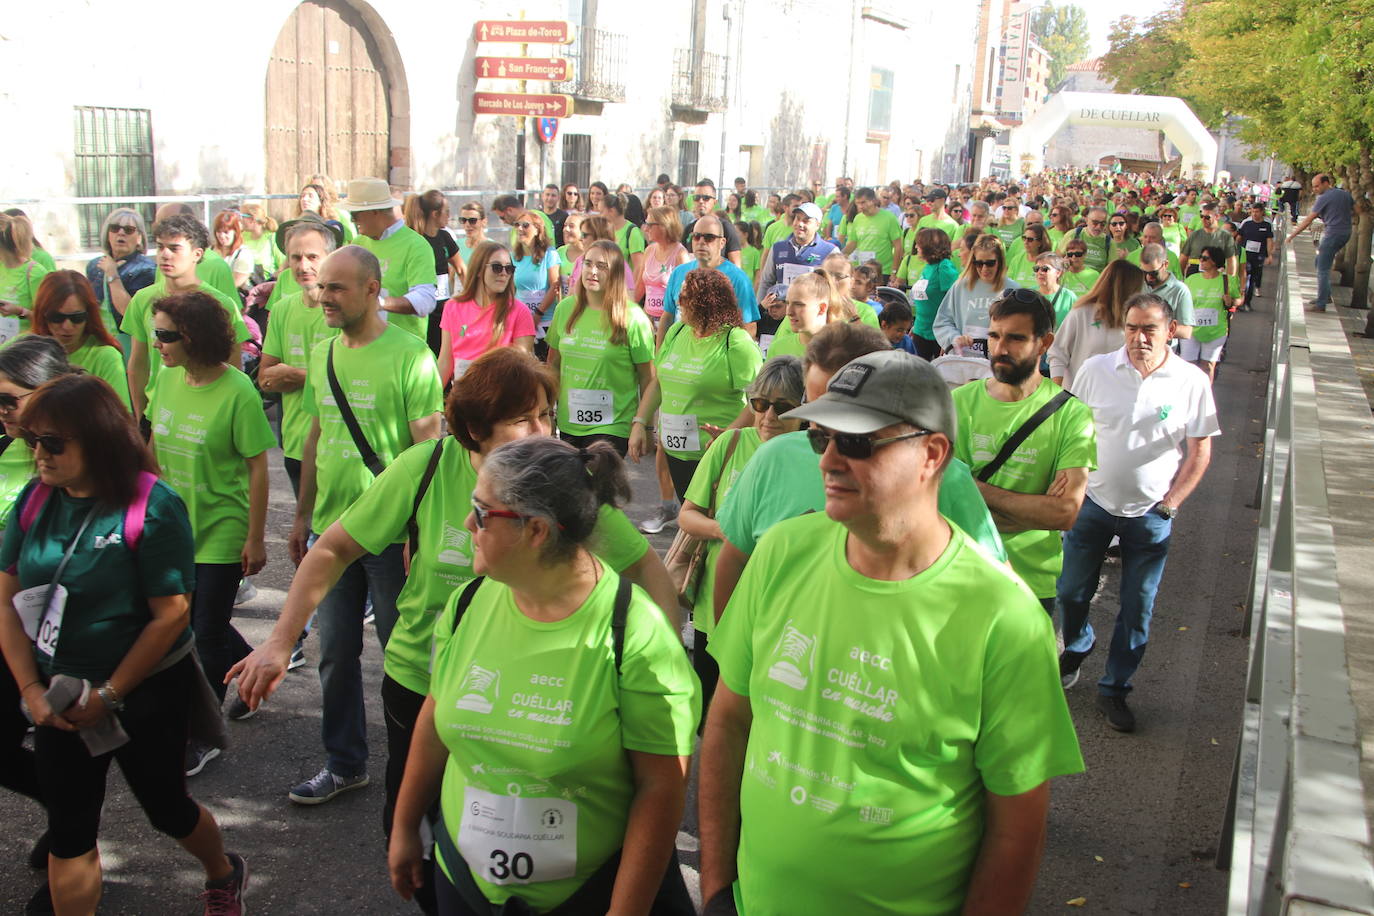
(687, 555)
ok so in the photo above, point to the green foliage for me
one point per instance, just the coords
(1063, 32)
(1155, 57)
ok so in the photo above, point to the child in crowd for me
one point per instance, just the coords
(895, 321)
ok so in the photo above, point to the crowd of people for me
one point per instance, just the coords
(933, 408)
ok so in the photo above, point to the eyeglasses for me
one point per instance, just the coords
(503, 268)
(648, 225)
(10, 402)
(705, 237)
(64, 317)
(854, 446)
(165, 336)
(121, 230)
(481, 513)
(53, 445)
(1074, 254)
(761, 405)
(1043, 268)
(989, 263)
(1030, 238)
(469, 220)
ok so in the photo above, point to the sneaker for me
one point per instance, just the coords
(226, 898)
(246, 593)
(663, 517)
(369, 619)
(239, 710)
(323, 786)
(1117, 713)
(297, 657)
(1069, 665)
(198, 756)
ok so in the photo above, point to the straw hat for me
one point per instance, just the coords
(368, 194)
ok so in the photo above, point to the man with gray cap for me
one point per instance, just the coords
(887, 692)
(408, 291)
(799, 253)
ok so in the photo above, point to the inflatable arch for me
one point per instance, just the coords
(1152, 112)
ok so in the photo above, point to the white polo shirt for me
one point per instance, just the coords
(1142, 426)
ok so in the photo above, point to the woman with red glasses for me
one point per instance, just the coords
(65, 309)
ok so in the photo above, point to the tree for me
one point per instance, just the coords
(1063, 32)
(1155, 57)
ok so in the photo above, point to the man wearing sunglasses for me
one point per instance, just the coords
(1094, 235)
(880, 674)
(1164, 283)
(703, 205)
(708, 245)
(1212, 232)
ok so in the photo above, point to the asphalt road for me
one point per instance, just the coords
(1135, 834)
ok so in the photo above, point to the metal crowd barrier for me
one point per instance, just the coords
(1295, 836)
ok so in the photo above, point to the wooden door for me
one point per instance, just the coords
(327, 108)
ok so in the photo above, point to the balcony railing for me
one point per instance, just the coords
(699, 80)
(597, 70)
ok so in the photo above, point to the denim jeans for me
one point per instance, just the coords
(343, 722)
(1144, 548)
(1326, 256)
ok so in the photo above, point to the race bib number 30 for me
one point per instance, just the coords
(510, 839)
(680, 432)
(590, 406)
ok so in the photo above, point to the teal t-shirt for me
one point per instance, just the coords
(203, 436)
(108, 585)
(1066, 439)
(878, 731)
(703, 381)
(598, 389)
(292, 335)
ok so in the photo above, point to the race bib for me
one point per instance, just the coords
(441, 287)
(590, 406)
(460, 368)
(533, 298)
(1204, 318)
(765, 341)
(9, 329)
(1253, 246)
(680, 432)
(979, 347)
(791, 272)
(653, 304)
(510, 839)
(42, 625)
(918, 292)
(862, 256)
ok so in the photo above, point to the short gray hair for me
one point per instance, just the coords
(979, 206)
(304, 226)
(781, 374)
(1153, 253)
(123, 216)
(1052, 258)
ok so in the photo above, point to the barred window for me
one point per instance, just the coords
(577, 160)
(114, 157)
(688, 159)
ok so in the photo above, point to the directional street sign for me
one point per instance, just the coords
(522, 68)
(523, 31)
(522, 105)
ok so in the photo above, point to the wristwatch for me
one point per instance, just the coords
(1163, 511)
(110, 697)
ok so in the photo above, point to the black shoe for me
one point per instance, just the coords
(40, 904)
(1069, 663)
(38, 855)
(1117, 713)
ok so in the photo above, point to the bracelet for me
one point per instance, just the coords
(110, 696)
(640, 421)
(28, 685)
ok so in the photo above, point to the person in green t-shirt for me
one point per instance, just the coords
(602, 348)
(1077, 277)
(1094, 237)
(627, 235)
(181, 243)
(874, 233)
(776, 390)
(1214, 296)
(210, 438)
(296, 328)
(20, 275)
(558, 729)
(887, 689)
(25, 365)
(408, 290)
(1036, 491)
(67, 311)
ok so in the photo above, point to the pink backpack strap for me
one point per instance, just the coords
(33, 505)
(137, 512)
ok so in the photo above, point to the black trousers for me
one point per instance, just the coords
(619, 443)
(18, 772)
(401, 708)
(681, 471)
(212, 612)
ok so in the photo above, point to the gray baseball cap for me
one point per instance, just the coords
(880, 389)
(810, 209)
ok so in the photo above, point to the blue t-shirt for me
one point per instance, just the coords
(1333, 207)
(744, 290)
(530, 276)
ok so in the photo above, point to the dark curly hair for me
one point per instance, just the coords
(707, 302)
(182, 226)
(209, 336)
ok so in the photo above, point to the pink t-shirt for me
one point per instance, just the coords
(656, 277)
(469, 327)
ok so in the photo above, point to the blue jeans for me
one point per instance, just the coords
(1326, 256)
(343, 722)
(1144, 548)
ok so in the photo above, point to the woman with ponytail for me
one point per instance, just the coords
(485, 314)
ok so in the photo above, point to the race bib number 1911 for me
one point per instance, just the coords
(510, 839)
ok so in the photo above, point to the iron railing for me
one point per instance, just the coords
(699, 80)
(597, 66)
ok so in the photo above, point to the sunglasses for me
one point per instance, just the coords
(1075, 254)
(53, 445)
(469, 220)
(1115, 225)
(1151, 275)
(64, 317)
(705, 237)
(523, 225)
(11, 401)
(165, 336)
(761, 405)
(501, 268)
(989, 263)
(1030, 238)
(854, 446)
(122, 230)
(1043, 269)
(704, 197)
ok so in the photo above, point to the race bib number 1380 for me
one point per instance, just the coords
(510, 839)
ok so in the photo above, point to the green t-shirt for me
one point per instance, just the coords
(1123, 250)
(750, 259)
(443, 559)
(1173, 237)
(1096, 257)
(1079, 283)
(286, 285)
(103, 361)
(42, 256)
(1134, 258)
(867, 313)
(1009, 234)
(16, 470)
(1198, 239)
(407, 260)
(786, 342)
(138, 322)
(873, 237)
(715, 471)
(784, 481)
(537, 722)
(877, 731)
(212, 271)
(292, 334)
(19, 284)
(108, 585)
(389, 383)
(598, 389)
(1065, 440)
(776, 232)
(265, 253)
(1211, 320)
(630, 240)
(1188, 216)
(203, 437)
(703, 381)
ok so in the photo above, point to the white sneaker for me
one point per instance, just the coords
(661, 518)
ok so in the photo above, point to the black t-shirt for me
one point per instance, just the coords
(1262, 232)
(731, 235)
(445, 246)
(558, 218)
